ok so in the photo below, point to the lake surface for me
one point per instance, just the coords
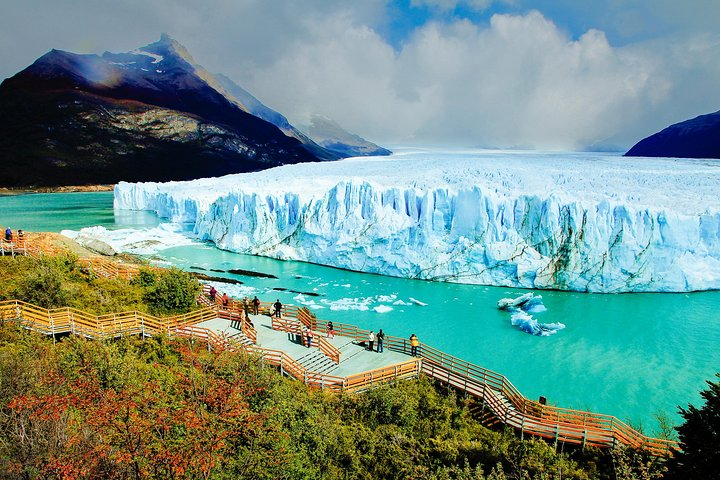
(630, 355)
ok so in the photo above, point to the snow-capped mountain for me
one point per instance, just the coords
(583, 222)
(695, 138)
(148, 114)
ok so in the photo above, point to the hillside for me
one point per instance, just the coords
(695, 138)
(149, 114)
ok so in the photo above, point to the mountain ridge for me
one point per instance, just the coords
(697, 137)
(151, 114)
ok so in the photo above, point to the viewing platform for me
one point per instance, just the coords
(354, 358)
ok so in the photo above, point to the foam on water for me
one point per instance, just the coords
(145, 241)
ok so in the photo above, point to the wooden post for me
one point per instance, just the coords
(52, 326)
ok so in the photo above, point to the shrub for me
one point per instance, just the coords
(174, 291)
(699, 439)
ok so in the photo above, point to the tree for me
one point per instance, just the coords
(699, 435)
(174, 291)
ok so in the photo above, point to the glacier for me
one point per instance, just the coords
(542, 220)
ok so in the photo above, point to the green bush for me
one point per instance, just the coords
(174, 291)
(60, 281)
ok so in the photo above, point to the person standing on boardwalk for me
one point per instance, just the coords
(278, 308)
(414, 342)
(8, 234)
(256, 305)
(213, 292)
(309, 336)
(330, 330)
(225, 300)
(380, 339)
(371, 340)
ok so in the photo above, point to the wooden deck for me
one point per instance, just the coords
(341, 364)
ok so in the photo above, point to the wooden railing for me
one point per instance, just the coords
(353, 383)
(70, 320)
(248, 329)
(16, 245)
(531, 417)
(327, 348)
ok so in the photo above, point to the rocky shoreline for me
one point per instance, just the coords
(58, 189)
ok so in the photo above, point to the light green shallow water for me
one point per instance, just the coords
(630, 355)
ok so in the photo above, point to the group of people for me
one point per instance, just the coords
(379, 337)
(247, 303)
(307, 333)
(9, 235)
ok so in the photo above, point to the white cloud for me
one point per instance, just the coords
(518, 80)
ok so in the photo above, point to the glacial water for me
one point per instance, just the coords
(630, 355)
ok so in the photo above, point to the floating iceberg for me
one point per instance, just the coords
(583, 222)
(528, 324)
(520, 309)
(509, 303)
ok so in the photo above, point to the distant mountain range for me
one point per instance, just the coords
(329, 134)
(695, 138)
(152, 114)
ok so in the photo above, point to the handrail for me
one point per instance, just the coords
(327, 348)
(71, 320)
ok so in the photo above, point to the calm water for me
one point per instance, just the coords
(630, 355)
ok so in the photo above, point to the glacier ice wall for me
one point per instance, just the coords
(594, 225)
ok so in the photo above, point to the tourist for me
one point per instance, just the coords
(308, 336)
(213, 292)
(8, 235)
(225, 300)
(414, 342)
(330, 330)
(246, 307)
(21, 237)
(371, 340)
(380, 339)
(256, 305)
(278, 308)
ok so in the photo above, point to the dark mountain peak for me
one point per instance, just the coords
(698, 137)
(169, 47)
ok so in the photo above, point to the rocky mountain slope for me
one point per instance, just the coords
(149, 114)
(695, 138)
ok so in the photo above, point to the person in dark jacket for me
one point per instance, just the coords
(278, 308)
(380, 339)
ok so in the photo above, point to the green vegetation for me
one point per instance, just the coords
(61, 281)
(157, 408)
(699, 439)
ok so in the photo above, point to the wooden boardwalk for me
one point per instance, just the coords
(341, 364)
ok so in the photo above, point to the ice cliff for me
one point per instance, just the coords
(578, 222)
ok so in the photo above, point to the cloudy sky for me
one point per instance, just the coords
(561, 74)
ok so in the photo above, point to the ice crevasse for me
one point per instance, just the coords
(597, 224)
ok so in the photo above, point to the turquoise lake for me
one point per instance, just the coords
(628, 355)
